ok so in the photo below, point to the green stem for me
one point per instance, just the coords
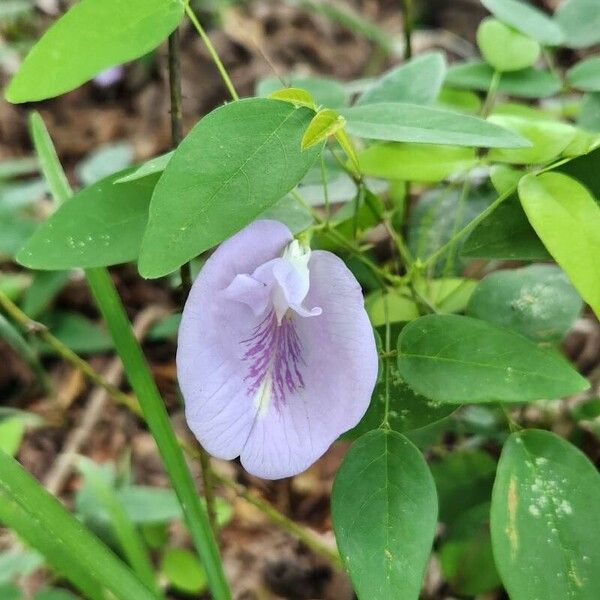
(490, 99)
(213, 53)
(325, 190)
(155, 414)
(408, 27)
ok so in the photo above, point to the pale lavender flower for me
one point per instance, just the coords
(276, 355)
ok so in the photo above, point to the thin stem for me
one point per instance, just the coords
(466, 187)
(386, 362)
(325, 189)
(490, 99)
(297, 531)
(408, 27)
(213, 53)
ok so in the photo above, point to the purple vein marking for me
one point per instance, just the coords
(274, 350)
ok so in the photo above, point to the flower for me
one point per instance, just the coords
(276, 356)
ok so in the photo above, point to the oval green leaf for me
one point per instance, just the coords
(566, 217)
(417, 81)
(384, 510)
(454, 359)
(537, 301)
(585, 75)
(504, 48)
(544, 521)
(580, 22)
(100, 226)
(235, 163)
(397, 122)
(325, 123)
(90, 37)
(527, 19)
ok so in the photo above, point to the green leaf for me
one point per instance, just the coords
(326, 92)
(11, 435)
(548, 139)
(527, 83)
(463, 480)
(324, 124)
(10, 592)
(580, 22)
(384, 511)
(396, 122)
(505, 234)
(417, 81)
(183, 571)
(14, 230)
(415, 162)
(585, 75)
(459, 100)
(54, 594)
(47, 526)
(42, 291)
(589, 117)
(296, 96)
(235, 163)
(447, 294)
(454, 359)
(544, 524)
(89, 38)
(505, 178)
(77, 332)
(537, 301)
(586, 169)
(289, 212)
(567, 219)
(400, 307)
(527, 19)
(155, 165)
(101, 225)
(504, 48)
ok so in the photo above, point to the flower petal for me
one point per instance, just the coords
(210, 362)
(338, 375)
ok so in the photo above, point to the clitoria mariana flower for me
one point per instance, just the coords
(276, 356)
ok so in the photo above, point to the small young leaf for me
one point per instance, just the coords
(417, 81)
(527, 19)
(90, 37)
(504, 48)
(384, 510)
(544, 524)
(454, 359)
(235, 163)
(585, 75)
(397, 122)
(101, 225)
(580, 22)
(324, 124)
(527, 83)
(537, 301)
(296, 96)
(183, 571)
(567, 219)
(415, 162)
(326, 92)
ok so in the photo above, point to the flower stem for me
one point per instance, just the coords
(213, 53)
(154, 411)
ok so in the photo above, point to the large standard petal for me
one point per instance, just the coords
(210, 363)
(338, 368)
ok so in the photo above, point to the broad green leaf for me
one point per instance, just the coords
(544, 521)
(463, 480)
(11, 435)
(415, 162)
(183, 571)
(459, 100)
(295, 96)
(47, 526)
(505, 234)
(567, 219)
(466, 556)
(384, 511)
(325, 123)
(537, 301)
(448, 295)
(548, 139)
(101, 225)
(504, 48)
(400, 307)
(580, 22)
(589, 117)
(326, 92)
(527, 19)
(397, 122)
(454, 359)
(42, 291)
(155, 165)
(90, 37)
(417, 81)
(234, 164)
(585, 75)
(527, 83)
